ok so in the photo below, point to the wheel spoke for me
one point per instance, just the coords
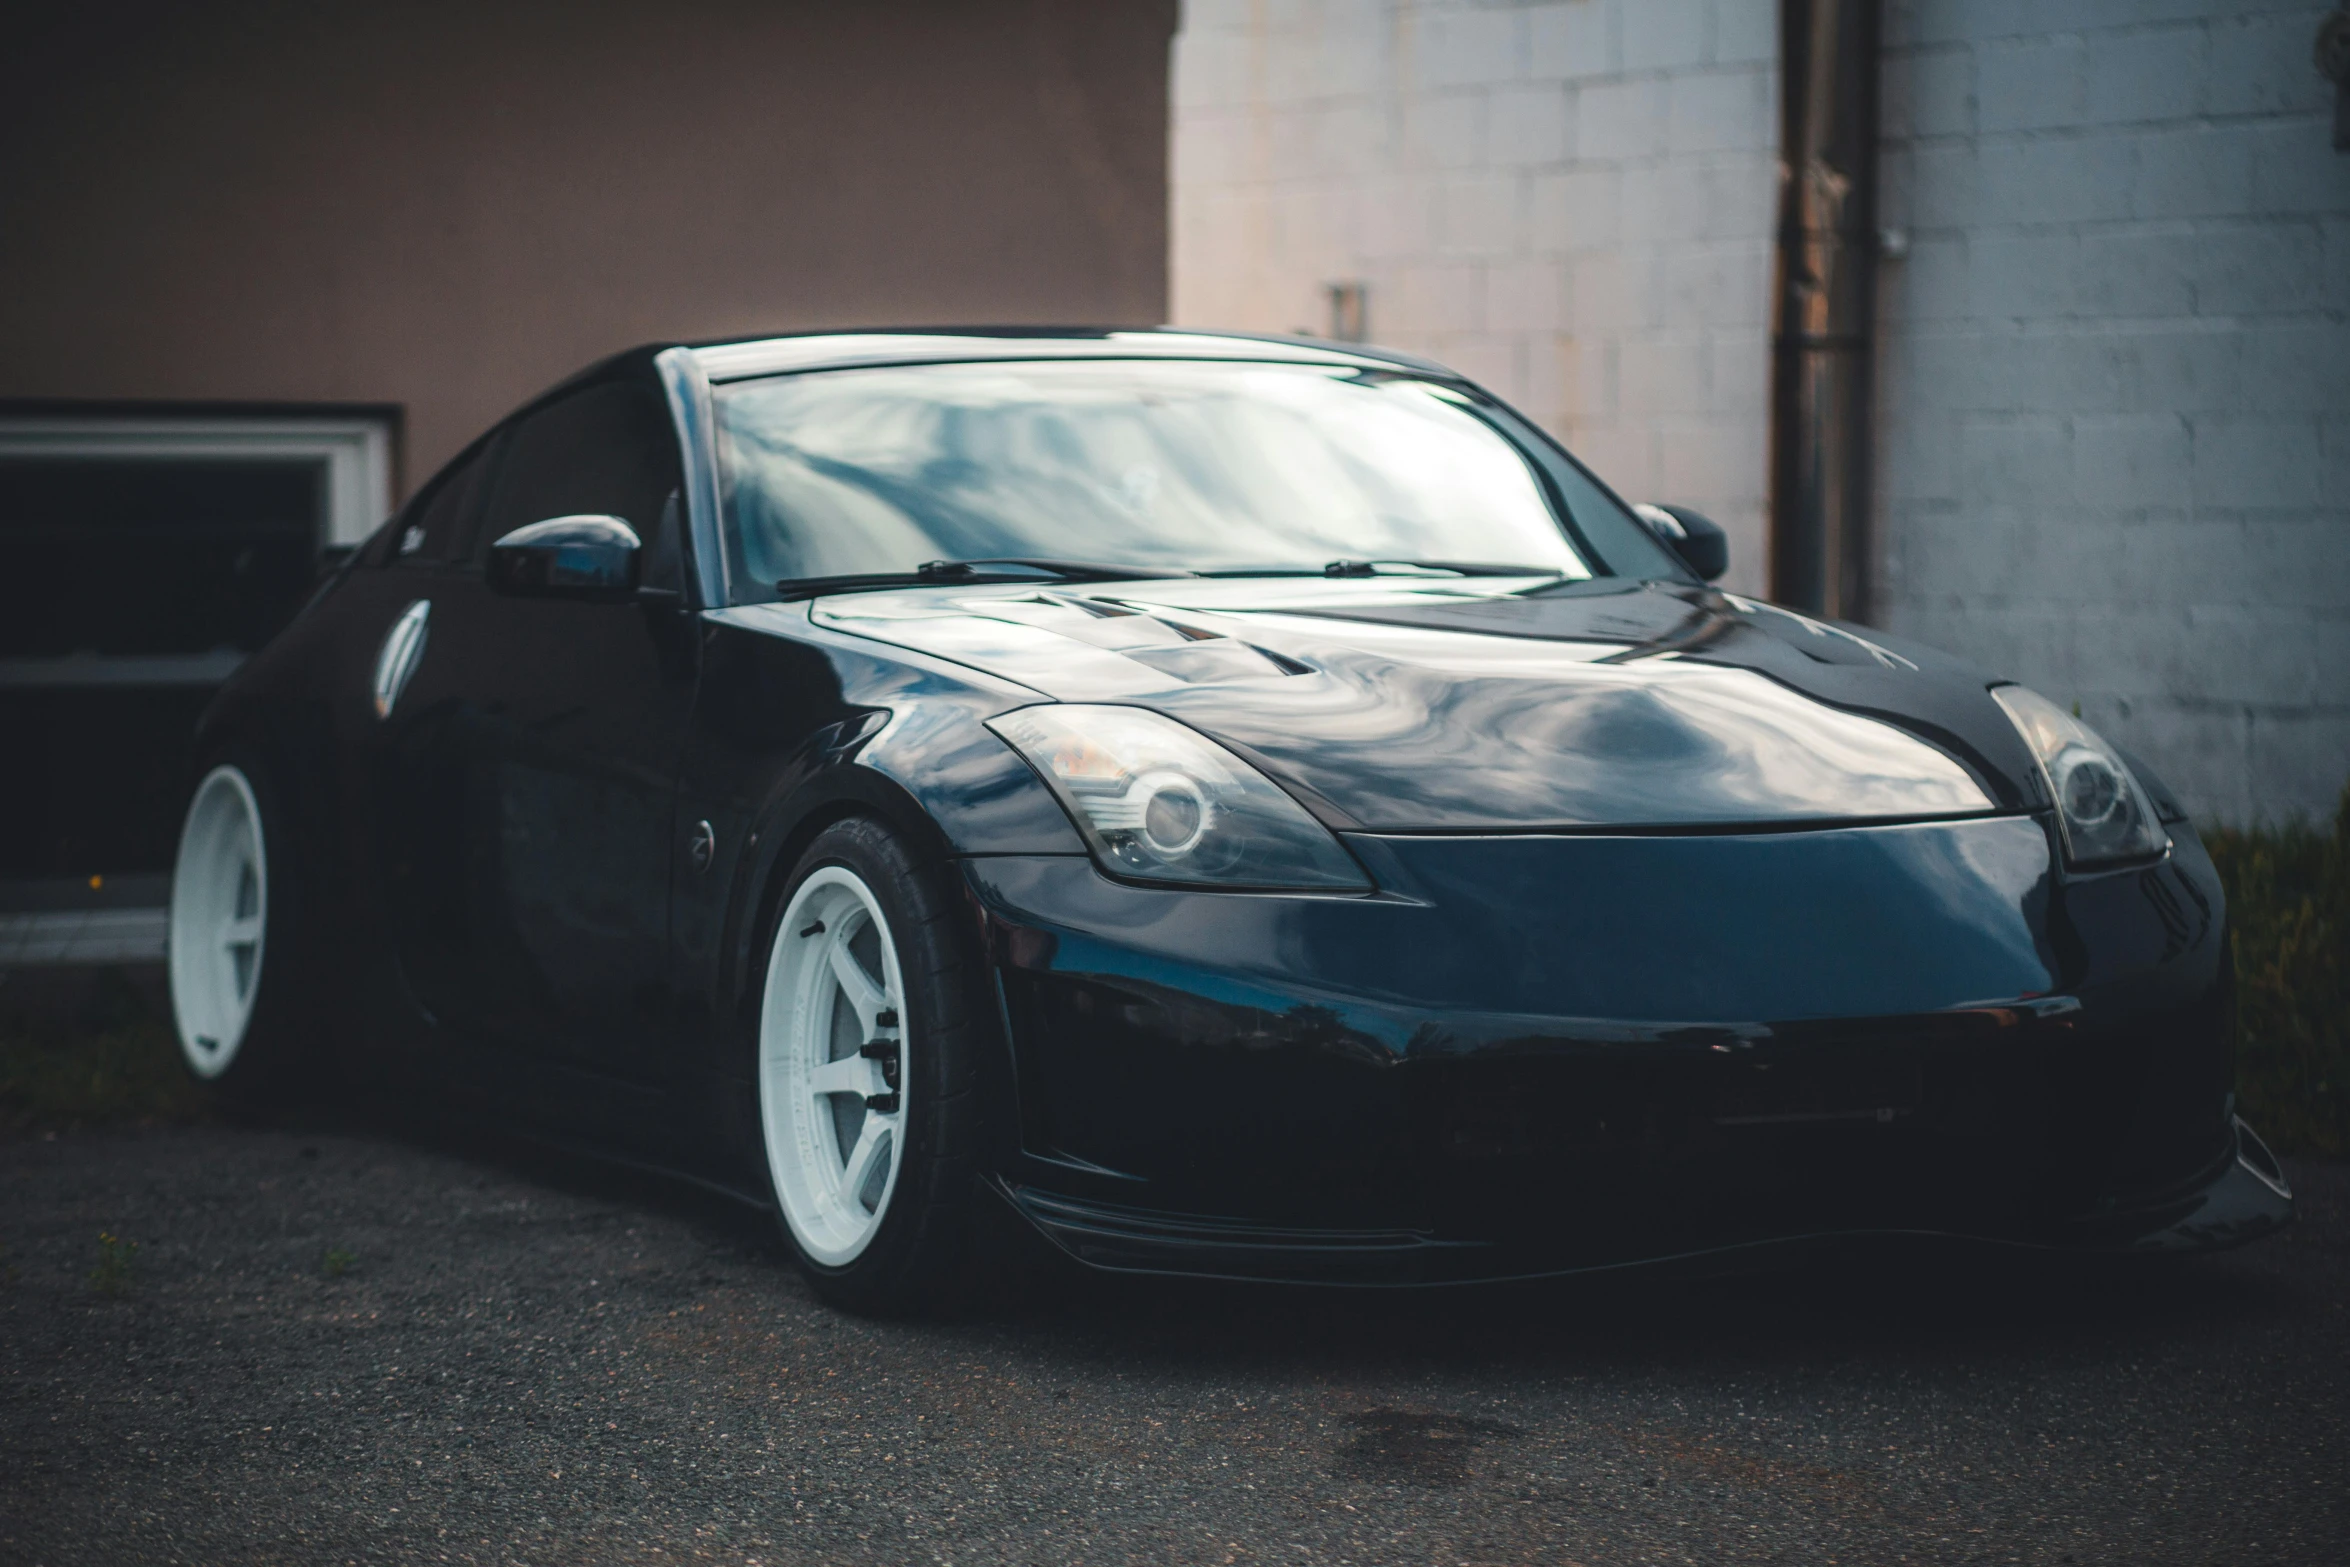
(848, 1075)
(874, 1142)
(864, 995)
(244, 932)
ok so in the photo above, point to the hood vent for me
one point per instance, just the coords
(1189, 653)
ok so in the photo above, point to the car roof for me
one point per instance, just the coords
(743, 358)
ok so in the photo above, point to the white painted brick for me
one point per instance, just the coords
(2146, 77)
(2293, 366)
(1946, 185)
(1289, 146)
(1720, 111)
(1315, 225)
(1941, 91)
(2201, 171)
(1527, 123)
(2334, 473)
(1477, 214)
(1664, 377)
(1597, 397)
(1741, 384)
(1746, 31)
(1434, 297)
(1663, 37)
(2336, 277)
(1929, 284)
(2031, 85)
(1207, 16)
(1706, 463)
(1668, 201)
(1745, 195)
(2243, 463)
(1625, 455)
(2261, 65)
(1398, 216)
(1444, 132)
(1468, 47)
(2295, 560)
(2141, 461)
(1720, 285)
(1597, 291)
(2200, 753)
(2166, 370)
(2297, 764)
(1622, 119)
(1575, 211)
(2017, 461)
(1552, 367)
(2137, 274)
(1644, 293)
(2295, 170)
(1349, 140)
(1930, 21)
(1211, 70)
(1568, 41)
(2023, 275)
(2030, 182)
(1214, 150)
(1526, 296)
(2265, 269)
(1956, 370)
(1345, 57)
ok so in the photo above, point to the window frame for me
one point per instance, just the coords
(356, 446)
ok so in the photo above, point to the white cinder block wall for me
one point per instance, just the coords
(2114, 398)
(2114, 426)
(1571, 202)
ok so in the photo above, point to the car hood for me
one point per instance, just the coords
(1451, 704)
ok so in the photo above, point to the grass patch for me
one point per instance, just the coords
(118, 1064)
(112, 1276)
(2289, 908)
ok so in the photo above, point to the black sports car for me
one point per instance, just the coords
(1257, 807)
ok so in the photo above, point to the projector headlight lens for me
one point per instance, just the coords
(1160, 802)
(2103, 813)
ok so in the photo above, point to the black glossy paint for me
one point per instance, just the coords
(1697, 924)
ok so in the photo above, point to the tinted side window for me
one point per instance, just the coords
(608, 449)
(431, 527)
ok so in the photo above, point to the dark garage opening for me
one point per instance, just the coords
(136, 584)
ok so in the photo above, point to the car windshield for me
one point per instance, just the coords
(1161, 465)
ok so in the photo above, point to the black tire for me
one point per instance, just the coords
(917, 1260)
(272, 1059)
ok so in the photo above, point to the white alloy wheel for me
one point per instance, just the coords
(832, 1088)
(219, 912)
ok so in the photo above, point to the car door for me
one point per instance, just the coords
(414, 601)
(554, 733)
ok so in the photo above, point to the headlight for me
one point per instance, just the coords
(2103, 812)
(1157, 801)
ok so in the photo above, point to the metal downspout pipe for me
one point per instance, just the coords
(1824, 308)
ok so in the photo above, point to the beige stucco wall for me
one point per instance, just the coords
(448, 207)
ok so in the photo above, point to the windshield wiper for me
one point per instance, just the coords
(971, 573)
(1396, 568)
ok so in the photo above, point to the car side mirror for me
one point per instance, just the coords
(1700, 542)
(595, 559)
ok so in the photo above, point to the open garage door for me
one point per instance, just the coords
(146, 559)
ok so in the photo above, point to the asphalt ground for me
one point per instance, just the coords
(527, 1359)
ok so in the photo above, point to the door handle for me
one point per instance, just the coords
(403, 646)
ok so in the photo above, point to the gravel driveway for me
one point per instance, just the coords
(523, 1359)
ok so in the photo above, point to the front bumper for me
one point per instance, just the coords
(2245, 1198)
(1537, 1055)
